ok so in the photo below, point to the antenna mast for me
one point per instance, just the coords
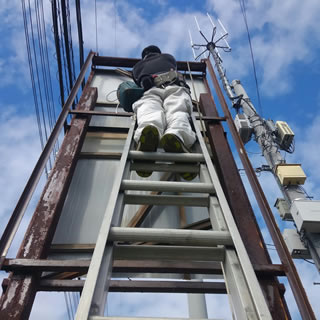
(271, 137)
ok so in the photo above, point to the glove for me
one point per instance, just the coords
(147, 82)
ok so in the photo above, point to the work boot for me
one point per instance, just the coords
(171, 143)
(148, 142)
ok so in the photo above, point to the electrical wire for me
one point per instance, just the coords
(115, 26)
(39, 70)
(37, 75)
(44, 65)
(62, 46)
(96, 22)
(244, 14)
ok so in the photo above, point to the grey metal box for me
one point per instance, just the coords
(283, 208)
(306, 215)
(295, 245)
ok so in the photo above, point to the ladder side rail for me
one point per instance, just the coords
(98, 254)
(239, 294)
(102, 287)
(252, 281)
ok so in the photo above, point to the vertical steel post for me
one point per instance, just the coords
(284, 255)
(240, 206)
(32, 183)
(16, 303)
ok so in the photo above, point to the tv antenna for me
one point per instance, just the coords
(212, 46)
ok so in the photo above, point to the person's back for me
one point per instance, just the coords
(153, 63)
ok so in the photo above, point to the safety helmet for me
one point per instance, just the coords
(150, 49)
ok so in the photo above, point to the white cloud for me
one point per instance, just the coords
(19, 148)
(283, 33)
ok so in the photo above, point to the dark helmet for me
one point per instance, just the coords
(150, 49)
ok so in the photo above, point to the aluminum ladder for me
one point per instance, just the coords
(222, 244)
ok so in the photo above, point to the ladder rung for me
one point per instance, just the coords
(159, 252)
(164, 167)
(172, 236)
(167, 186)
(166, 156)
(143, 318)
(162, 200)
(138, 286)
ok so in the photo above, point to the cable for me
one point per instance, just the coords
(57, 46)
(80, 35)
(25, 22)
(115, 26)
(96, 21)
(243, 10)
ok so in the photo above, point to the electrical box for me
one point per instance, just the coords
(284, 210)
(306, 215)
(285, 134)
(290, 174)
(243, 126)
(295, 246)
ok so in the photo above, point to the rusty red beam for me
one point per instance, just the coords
(284, 255)
(140, 286)
(100, 113)
(16, 303)
(129, 63)
(22, 204)
(131, 266)
(240, 205)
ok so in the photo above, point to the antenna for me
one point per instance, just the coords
(210, 45)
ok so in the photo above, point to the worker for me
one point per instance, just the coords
(163, 112)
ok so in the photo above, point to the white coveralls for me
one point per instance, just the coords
(167, 109)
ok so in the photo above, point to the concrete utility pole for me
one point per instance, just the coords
(296, 204)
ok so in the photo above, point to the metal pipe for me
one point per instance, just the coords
(172, 236)
(284, 255)
(167, 186)
(17, 215)
(183, 253)
(179, 157)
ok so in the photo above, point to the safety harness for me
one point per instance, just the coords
(171, 77)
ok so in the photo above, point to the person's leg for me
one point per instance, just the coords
(178, 136)
(149, 112)
(151, 123)
(178, 107)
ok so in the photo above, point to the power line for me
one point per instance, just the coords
(30, 62)
(54, 13)
(80, 37)
(244, 14)
(96, 22)
(115, 26)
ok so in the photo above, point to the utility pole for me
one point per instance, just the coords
(271, 138)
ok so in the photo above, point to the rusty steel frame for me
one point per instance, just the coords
(131, 266)
(139, 286)
(42, 226)
(129, 63)
(26, 286)
(284, 255)
(22, 204)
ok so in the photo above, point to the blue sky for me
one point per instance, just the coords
(286, 45)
